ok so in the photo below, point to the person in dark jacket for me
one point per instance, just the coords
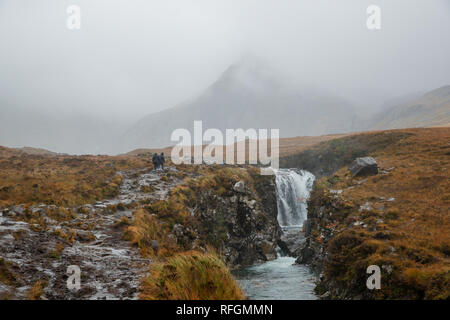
(162, 160)
(155, 160)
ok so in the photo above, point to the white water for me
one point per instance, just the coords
(282, 279)
(293, 188)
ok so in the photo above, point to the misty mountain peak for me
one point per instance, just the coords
(249, 94)
(249, 74)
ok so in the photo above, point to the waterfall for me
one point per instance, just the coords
(293, 188)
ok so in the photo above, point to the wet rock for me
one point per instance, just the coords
(367, 206)
(250, 203)
(326, 295)
(291, 241)
(84, 236)
(244, 226)
(18, 210)
(388, 268)
(155, 245)
(49, 221)
(268, 249)
(362, 181)
(8, 213)
(239, 187)
(306, 255)
(35, 210)
(363, 167)
(178, 230)
(307, 227)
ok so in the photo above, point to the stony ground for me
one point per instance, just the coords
(110, 267)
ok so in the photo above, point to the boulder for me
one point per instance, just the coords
(363, 167)
(18, 210)
(306, 255)
(155, 245)
(239, 187)
(268, 250)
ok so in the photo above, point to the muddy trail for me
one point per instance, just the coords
(110, 267)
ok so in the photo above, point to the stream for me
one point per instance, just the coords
(282, 279)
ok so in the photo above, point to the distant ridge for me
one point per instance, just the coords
(9, 152)
(430, 110)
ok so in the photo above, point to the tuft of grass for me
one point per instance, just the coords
(190, 276)
(37, 290)
(146, 228)
(124, 221)
(6, 275)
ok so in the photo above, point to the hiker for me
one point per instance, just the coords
(155, 160)
(162, 160)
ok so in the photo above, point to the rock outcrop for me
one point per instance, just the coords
(363, 167)
(243, 226)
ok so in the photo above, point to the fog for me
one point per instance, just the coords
(135, 57)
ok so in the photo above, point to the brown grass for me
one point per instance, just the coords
(6, 275)
(411, 233)
(145, 228)
(60, 180)
(190, 276)
(37, 290)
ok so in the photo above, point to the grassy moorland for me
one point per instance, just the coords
(71, 181)
(60, 180)
(398, 219)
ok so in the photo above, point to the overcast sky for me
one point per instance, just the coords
(134, 57)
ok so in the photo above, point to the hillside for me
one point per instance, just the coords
(9, 152)
(60, 179)
(192, 221)
(397, 219)
(248, 96)
(57, 211)
(430, 110)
